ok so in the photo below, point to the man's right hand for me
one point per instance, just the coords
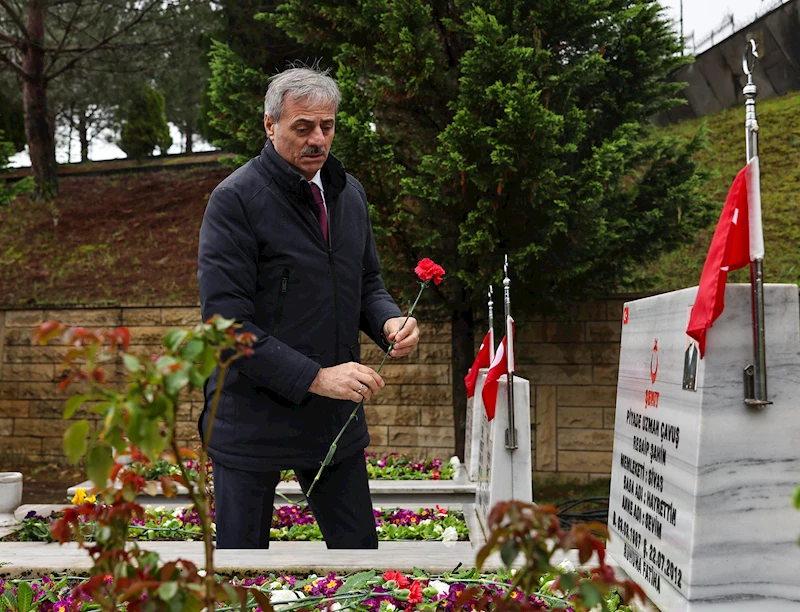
(348, 381)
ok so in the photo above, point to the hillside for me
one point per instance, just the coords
(779, 150)
(119, 239)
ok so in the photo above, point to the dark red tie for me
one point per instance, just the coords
(321, 214)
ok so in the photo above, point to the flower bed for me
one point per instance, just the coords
(289, 523)
(368, 591)
(389, 467)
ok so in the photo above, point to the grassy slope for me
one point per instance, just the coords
(779, 148)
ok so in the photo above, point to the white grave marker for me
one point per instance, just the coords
(700, 512)
(502, 474)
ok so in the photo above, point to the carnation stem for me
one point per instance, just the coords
(332, 448)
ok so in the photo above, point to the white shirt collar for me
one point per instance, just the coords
(317, 180)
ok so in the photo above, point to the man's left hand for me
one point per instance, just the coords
(407, 338)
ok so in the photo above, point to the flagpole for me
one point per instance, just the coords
(511, 432)
(755, 374)
(491, 324)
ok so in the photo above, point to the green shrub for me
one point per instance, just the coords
(143, 123)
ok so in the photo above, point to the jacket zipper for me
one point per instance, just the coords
(335, 293)
(281, 298)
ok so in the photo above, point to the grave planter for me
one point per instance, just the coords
(10, 497)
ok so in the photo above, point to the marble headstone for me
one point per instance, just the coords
(472, 437)
(502, 474)
(700, 512)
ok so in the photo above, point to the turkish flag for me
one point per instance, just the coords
(737, 241)
(481, 361)
(498, 367)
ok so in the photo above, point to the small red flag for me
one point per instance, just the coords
(498, 367)
(737, 240)
(481, 361)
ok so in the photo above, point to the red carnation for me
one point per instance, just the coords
(400, 579)
(415, 592)
(428, 270)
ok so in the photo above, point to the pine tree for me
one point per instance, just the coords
(143, 125)
(483, 128)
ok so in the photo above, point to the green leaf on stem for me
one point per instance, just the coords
(192, 350)
(75, 440)
(209, 361)
(221, 323)
(167, 590)
(356, 581)
(72, 405)
(131, 362)
(173, 339)
(99, 461)
(173, 383)
(509, 552)
(24, 597)
(196, 378)
(591, 596)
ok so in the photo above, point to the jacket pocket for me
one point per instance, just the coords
(282, 291)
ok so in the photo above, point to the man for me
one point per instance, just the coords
(286, 248)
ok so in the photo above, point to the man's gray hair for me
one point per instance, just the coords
(300, 83)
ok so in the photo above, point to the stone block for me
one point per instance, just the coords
(588, 311)
(14, 408)
(423, 395)
(148, 336)
(585, 439)
(28, 391)
(186, 430)
(40, 428)
(392, 415)
(605, 374)
(420, 436)
(28, 372)
(52, 409)
(438, 452)
(587, 418)
(141, 316)
(542, 479)
(603, 331)
(594, 462)
(593, 395)
(20, 336)
(390, 394)
(34, 354)
(440, 416)
(435, 352)
(434, 331)
(86, 317)
(528, 332)
(545, 428)
(20, 446)
(564, 332)
(556, 374)
(379, 435)
(6, 426)
(550, 353)
(24, 318)
(182, 317)
(603, 353)
(435, 374)
(609, 414)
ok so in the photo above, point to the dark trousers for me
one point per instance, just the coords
(340, 502)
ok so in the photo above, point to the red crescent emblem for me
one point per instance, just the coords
(654, 362)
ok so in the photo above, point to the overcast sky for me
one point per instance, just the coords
(703, 16)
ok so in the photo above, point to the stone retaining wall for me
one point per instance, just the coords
(572, 368)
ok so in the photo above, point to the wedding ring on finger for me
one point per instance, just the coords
(360, 389)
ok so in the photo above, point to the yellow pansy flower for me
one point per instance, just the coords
(80, 497)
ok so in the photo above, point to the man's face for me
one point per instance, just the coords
(304, 136)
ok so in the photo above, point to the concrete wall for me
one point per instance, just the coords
(715, 79)
(572, 368)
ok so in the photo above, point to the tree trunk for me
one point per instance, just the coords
(83, 135)
(187, 130)
(462, 338)
(39, 126)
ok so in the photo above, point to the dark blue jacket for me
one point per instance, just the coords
(263, 261)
